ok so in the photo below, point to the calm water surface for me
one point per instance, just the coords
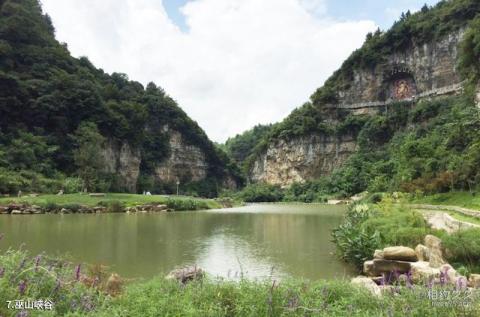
(259, 240)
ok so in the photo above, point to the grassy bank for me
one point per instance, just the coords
(126, 200)
(390, 222)
(460, 199)
(78, 290)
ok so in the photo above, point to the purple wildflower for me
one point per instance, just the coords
(461, 283)
(37, 261)
(389, 279)
(409, 279)
(1, 236)
(22, 287)
(2, 271)
(22, 264)
(431, 282)
(23, 313)
(443, 277)
(77, 272)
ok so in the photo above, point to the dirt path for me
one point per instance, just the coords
(438, 218)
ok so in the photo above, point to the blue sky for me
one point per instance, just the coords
(239, 63)
(382, 12)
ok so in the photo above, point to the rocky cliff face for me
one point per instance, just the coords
(296, 160)
(408, 74)
(424, 71)
(122, 160)
(186, 163)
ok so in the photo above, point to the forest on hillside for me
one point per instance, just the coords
(56, 113)
(428, 146)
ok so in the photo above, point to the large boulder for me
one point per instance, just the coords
(368, 284)
(400, 253)
(474, 280)
(434, 245)
(422, 271)
(378, 254)
(377, 267)
(369, 268)
(422, 252)
(452, 276)
(187, 274)
(387, 266)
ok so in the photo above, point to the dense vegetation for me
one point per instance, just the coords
(431, 147)
(81, 290)
(389, 143)
(48, 99)
(242, 145)
(368, 227)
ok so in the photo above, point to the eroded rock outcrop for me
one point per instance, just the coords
(185, 161)
(422, 71)
(296, 160)
(124, 161)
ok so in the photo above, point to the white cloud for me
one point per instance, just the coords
(242, 62)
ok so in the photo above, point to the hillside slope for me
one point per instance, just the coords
(50, 100)
(406, 86)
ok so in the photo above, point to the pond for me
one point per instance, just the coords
(258, 241)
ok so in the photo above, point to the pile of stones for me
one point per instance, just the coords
(26, 209)
(148, 208)
(404, 265)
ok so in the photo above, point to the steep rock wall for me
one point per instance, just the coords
(296, 160)
(186, 162)
(424, 71)
(124, 161)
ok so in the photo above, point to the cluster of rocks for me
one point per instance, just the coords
(26, 209)
(186, 274)
(16, 209)
(399, 264)
(148, 208)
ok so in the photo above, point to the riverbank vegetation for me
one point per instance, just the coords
(80, 290)
(368, 227)
(113, 202)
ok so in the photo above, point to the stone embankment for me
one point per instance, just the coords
(26, 209)
(401, 265)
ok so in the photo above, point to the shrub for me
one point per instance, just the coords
(180, 204)
(463, 247)
(72, 185)
(51, 207)
(354, 244)
(262, 193)
(115, 206)
(397, 226)
(73, 207)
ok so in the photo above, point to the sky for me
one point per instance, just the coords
(230, 64)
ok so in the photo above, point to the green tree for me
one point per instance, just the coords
(88, 155)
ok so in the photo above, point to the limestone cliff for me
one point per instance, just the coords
(295, 160)
(426, 70)
(124, 161)
(184, 162)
